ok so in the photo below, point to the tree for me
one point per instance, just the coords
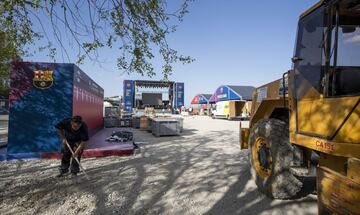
(8, 53)
(135, 27)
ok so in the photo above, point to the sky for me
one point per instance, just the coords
(233, 42)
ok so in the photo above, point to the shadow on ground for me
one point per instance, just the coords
(190, 174)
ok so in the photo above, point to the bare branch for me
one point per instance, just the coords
(134, 27)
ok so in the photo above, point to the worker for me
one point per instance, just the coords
(73, 131)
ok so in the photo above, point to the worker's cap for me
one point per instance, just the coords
(76, 119)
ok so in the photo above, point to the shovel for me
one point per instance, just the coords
(76, 159)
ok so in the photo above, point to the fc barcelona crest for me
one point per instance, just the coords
(43, 79)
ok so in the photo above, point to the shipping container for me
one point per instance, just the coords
(165, 126)
(41, 95)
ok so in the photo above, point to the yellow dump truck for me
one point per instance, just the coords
(307, 123)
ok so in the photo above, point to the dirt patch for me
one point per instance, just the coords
(202, 171)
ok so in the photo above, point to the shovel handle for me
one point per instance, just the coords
(76, 159)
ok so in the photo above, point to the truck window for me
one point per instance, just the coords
(349, 46)
(309, 49)
(346, 80)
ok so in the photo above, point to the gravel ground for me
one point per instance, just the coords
(202, 171)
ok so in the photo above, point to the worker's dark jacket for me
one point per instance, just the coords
(73, 136)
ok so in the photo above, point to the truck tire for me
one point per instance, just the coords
(270, 155)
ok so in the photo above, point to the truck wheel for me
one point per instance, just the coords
(270, 157)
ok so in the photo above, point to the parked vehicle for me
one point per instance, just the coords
(231, 110)
(311, 128)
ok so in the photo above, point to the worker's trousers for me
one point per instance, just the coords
(66, 159)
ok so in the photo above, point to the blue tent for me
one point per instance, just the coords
(230, 92)
(201, 99)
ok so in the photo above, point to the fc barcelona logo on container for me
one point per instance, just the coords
(43, 79)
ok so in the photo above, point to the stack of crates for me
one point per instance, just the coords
(136, 122)
(127, 122)
(144, 123)
(111, 121)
